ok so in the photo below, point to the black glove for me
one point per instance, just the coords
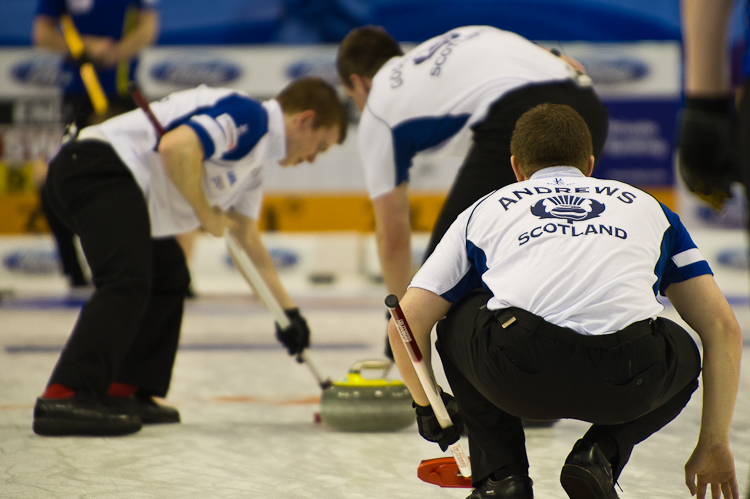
(429, 427)
(296, 337)
(707, 148)
(388, 350)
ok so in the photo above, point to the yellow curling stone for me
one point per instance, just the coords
(367, 405)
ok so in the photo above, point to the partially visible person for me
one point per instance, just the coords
(113, 32)
(127, 193)
(713, 147)
(458, 94)
(544, 295)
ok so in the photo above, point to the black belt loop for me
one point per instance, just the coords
(516, 317)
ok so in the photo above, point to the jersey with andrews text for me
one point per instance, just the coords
(582, 253)
(239, 135)
(428, 99)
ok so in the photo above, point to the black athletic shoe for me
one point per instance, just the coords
(513, 487)
(81, 415)
(146, 409)
(587, 474)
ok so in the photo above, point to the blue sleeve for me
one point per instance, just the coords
(680, 259)
(51, 8)
(242, 121)
(473, 278)
(416, 135)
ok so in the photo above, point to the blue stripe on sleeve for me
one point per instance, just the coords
(473, 277)
(255, 123)
(695, 269)
(419, 134)
(205, 138)
(251, 119)
(664, 257)
(676, 239)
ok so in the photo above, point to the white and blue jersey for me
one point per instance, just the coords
(583, 253)
(239, 135)
(428, 99)
(109, 18)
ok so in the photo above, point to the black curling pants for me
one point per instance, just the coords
(628, 384)
(129, 329)
(66, 248)
(77, 108)
(487, 166)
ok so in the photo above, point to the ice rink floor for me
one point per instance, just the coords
(247, 410)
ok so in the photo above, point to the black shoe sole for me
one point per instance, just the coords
(54, 427)
(161, 419)
(579, 483)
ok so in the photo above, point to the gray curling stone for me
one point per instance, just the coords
(374, 405)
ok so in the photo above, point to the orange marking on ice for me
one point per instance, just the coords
(244, 399)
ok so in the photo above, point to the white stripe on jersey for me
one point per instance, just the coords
(687, 257)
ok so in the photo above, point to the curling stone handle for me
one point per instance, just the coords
(357, 367)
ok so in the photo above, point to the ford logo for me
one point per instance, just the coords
(321, 67)
(612, 71)
(282, 258)
(736, 258)
(42, 70)
(32, 261)
(193, 72)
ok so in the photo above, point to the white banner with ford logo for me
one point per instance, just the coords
(640, 82)
(619, 70)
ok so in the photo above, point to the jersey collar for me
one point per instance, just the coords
(276, 134)
(557, 171)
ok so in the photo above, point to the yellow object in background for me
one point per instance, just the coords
(16, 178)
(88, 74)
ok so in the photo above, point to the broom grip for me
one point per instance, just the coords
(425, 378)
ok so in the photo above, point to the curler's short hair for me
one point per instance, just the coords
(364, 51)
(551, 135)
(316, 94)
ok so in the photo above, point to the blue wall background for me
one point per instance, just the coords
(325, 21)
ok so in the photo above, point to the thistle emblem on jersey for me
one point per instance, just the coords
(570, 208)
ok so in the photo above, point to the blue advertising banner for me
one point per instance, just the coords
(640, 142)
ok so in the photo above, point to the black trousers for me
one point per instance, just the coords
(628, 384)
(128, 331)
(77, 108)
(487, 166)
(66, 249)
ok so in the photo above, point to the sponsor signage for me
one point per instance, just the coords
(639, 82)
(641, 85)
(190, 72)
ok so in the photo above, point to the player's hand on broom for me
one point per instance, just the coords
(295, 337)
(430, 428)
(215, 220)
